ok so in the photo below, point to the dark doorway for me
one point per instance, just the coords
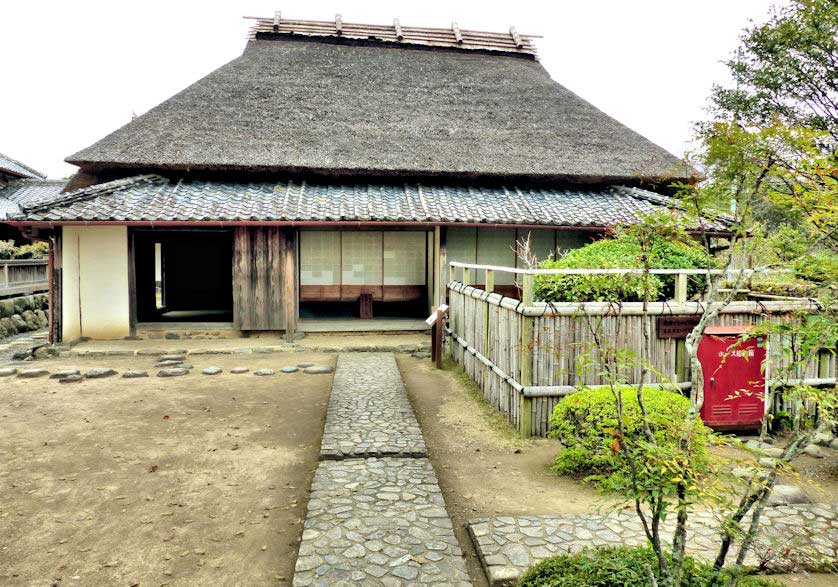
(183, 275)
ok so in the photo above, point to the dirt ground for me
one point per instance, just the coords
(196, 480)
(485, 469)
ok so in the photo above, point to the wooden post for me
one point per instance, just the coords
(490, 280)
(466, 276)
(682, 364)
(526, 355)
(439, 333)
(288, 285)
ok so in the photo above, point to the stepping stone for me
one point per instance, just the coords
(71, 379)
(177, 358)
(99, 373)
(318, 370)
(134, 374)
(63, 374)
(168, 363)
(212, 371)
(787, 494)
(264, 372)
(21, 355)
(289, 369)
(173, 372)
(8, 372)
(32, 373)
(305, 365)
(238, 370)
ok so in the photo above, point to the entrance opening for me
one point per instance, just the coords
(378, 275)
(183, 275)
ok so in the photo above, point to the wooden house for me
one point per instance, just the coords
(329, 173)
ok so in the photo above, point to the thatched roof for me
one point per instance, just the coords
(151, 198)
(9, 166)
(334, 107)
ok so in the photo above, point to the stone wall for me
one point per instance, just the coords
(23, 314)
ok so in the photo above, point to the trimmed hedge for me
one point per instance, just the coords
(586, 425)
(622, 251)
(36, 250)
(625, 566)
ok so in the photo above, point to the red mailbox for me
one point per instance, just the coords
(734, 381)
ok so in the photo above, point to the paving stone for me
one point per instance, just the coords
(289, 369)
(239, 370)
(318, 370)
(32, 373)
(305, 365)
(212, 371)
(134, 374)
(8, 372)
(807, 534)
(99, 373)
(264, 372)
(173, 357)
(71, 379)
(368, 413)
(346, 517)
(173, 372)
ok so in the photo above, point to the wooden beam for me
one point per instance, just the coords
(289, 272)
(398, 27)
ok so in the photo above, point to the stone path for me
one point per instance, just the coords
(373, 519)
(369, 414)
(805, 536)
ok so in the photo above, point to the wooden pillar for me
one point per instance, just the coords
(444, 277)
(289, 284)
(682, 363)
(526, 355)
(490, 280)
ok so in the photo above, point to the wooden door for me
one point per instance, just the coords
(261, 258)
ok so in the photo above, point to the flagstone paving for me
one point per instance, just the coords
(803, 536)
(376, 515)
(369, 414)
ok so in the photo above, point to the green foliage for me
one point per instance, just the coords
(586, 425)
(36, 250)
(627, 567)
(623, 251)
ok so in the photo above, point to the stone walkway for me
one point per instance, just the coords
(376, 514)
(794, 537)
(369, 415)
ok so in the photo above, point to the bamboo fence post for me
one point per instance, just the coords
(681, 360)
(490, 280)
(490, 286)
(466, 276)
(526, 355)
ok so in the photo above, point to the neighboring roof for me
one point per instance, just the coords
(13, 167)
(153, 198)
(452, 38)
(27, 192)
(333, 107)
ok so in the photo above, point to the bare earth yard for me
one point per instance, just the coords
(195, 480)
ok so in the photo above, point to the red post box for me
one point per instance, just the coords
(735, 395)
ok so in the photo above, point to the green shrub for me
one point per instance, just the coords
(624, 566)
(620, 252)
(586, 425)
(36, 250)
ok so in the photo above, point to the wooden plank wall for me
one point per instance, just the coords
(259, 255)
(560, 342)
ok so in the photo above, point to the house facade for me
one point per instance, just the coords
(331, 172)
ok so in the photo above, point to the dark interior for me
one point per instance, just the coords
(321, 310)
(184, 275)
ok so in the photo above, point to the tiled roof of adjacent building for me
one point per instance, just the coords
(151, 198)
(27, 192)
(11, 166)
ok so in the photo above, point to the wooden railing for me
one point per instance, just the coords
(23, 276)
(524, 355)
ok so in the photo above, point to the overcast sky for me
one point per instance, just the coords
(73, 71)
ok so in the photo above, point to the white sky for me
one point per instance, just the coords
(74, 71)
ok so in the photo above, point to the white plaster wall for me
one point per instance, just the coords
(95, 282)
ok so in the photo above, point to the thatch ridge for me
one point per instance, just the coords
(292, 106)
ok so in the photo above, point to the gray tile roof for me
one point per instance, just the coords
(153, 198)
(27, 192)
(12, 167)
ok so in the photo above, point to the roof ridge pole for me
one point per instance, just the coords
(516, 37)
(398, 27)
(338, 24)
(277, 18)
(458, 36)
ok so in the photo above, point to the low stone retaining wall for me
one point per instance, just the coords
(23, 314)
